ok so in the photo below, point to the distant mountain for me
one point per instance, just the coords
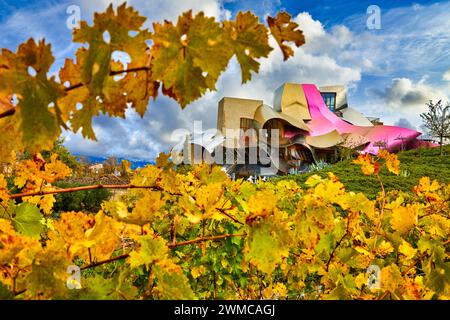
(134, 163)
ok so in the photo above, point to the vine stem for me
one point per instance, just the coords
(12, 111)
(172, 245)
(83, 188)
(412, 265)
(337, 245)
(8, 112)
(222, 211)
(383, 204)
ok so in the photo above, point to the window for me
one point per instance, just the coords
(247, 123)
(330, 99)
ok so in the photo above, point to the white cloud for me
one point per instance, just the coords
(446, 75)
(405, 123)
(403, 99)
(405, 94)
(412, 39)
(158, 10)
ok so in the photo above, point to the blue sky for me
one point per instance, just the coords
(390, 72)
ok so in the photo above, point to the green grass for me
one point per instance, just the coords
(417, 163)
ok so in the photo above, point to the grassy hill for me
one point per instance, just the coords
(414, 164)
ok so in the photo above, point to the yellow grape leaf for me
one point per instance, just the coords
(289, 186)
(139, 88)
(170, 182)
(16, 249)
(391, 278)
(45, 202)
(4, 194)
(391, 161)
(268, 242)
(118, 25)
(117, 209)
(70, 75)
(283, 29)
(150, 249)
(384, 248)
(34, 173)
(276, 291)
(407, 250)
(361, 279)
(208, 197)
(78, 101)
(197, 271)
(104, 237)
(426, 186)
(249, 40)
(10, 139)
(261, 204)
(313, 180)
(126, 165)
(145, 209)
(48, 276)
(25, 74)
(405, 218)
(146, 176)
(55, 169)
(71, 228)
(368, 165)
(172, 282)
(162, 160)
(188, 57)
(436, 225)
(207, 174)
(359, 203)
(190, 210)
(27, 171)
(330, 191)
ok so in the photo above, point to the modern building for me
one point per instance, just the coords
(303, 125)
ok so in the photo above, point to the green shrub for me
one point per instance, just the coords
(89, 200)
(417, 163)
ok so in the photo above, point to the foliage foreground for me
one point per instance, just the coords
(201, 235)
(196, 234)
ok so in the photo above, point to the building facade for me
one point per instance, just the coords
(303, 125)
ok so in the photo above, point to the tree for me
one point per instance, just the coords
(437, 121)
(63, 154)
(110, 165)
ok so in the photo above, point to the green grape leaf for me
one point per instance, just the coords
(48, 275)
(83, 119)
(119, 287)
(5, 293)
(339, 293)
(37, 114)
(112, 31)
(172, 282)
(285, 30)
(438, 279)
(188, 57)
(27, 220)
(97, 57)
(268, 242)
(249, 40)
